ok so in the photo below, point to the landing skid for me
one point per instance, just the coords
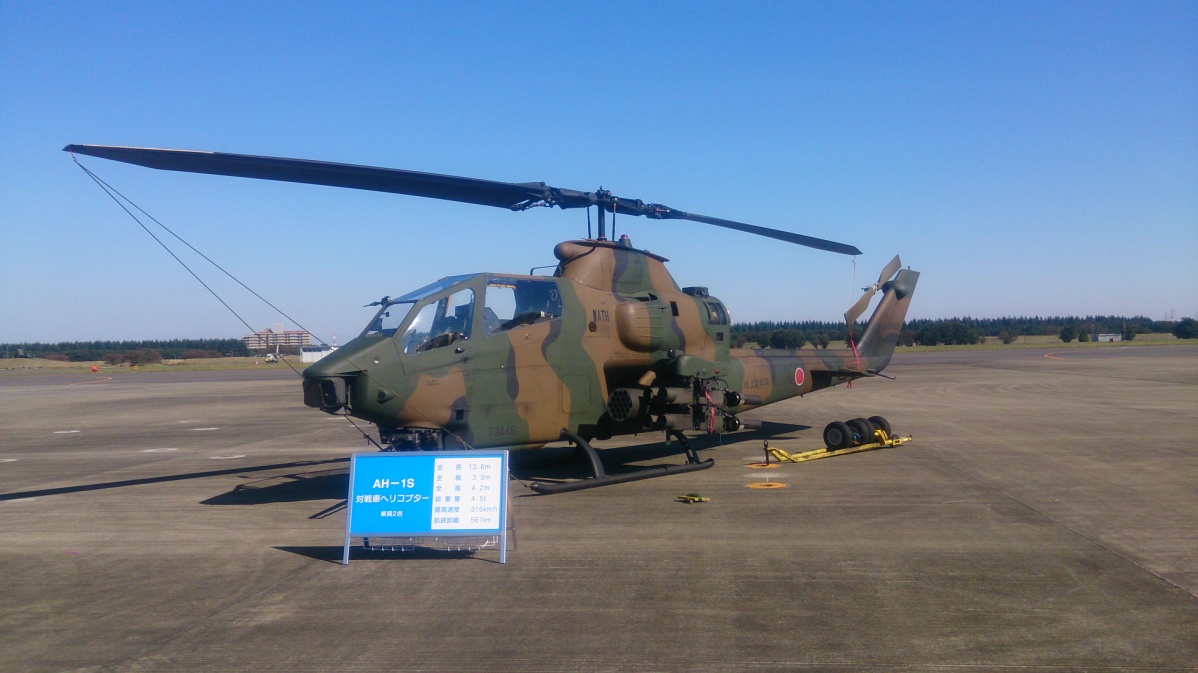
(602, 478)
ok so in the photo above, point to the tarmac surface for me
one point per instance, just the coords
(1044, 518)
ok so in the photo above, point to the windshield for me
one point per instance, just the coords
(393, 311)
(440, 323)
(388, 319)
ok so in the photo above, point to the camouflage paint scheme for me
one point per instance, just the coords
(625, 329)
(617, 348)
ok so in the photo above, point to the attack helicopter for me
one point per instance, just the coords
(608, 345)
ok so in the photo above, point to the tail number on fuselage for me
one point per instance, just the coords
(501, 431)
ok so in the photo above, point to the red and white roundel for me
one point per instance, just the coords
(800, 376)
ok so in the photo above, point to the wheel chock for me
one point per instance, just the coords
(692, 498)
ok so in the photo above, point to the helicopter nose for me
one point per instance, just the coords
(327, 393)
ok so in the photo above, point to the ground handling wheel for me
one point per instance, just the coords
(838, 436)
(863, 431)
(881, 424)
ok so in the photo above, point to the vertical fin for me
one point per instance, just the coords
(882, 332)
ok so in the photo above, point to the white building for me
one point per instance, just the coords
(269, 338)
(314, 352)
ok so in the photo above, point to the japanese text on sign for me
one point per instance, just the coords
(422, 493)
(466, 493)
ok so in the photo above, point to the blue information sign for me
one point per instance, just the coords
(444, 494)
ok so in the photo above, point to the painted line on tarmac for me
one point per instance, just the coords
(766, 485)
(240, 455)
(202, 429)
(157, 450)
(1055, 356)
(9, 460)
(83, 383)
(65, 432)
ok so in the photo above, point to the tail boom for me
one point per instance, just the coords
(773, 375)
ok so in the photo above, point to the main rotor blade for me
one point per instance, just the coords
(789, 237)
(514, 196)
(396, 181)
(659, 212)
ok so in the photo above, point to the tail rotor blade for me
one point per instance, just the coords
(861, 304)
(855, 311)
(890, 269)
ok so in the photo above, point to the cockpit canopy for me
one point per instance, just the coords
(449, 310)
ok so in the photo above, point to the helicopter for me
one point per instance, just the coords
(608, 345)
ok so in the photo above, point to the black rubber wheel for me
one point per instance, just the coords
(837, 436)
(881, 424)
(863, 431)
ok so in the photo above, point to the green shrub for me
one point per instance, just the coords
(1186, 329)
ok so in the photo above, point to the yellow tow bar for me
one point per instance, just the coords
(884, 441)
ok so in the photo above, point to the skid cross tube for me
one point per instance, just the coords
(601, 478)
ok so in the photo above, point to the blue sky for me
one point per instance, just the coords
(1028, 158)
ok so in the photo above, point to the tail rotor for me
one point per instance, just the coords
(859, 306)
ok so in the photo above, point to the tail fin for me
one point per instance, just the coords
(882, 331)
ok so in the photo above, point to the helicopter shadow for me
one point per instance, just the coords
(126, 483)
(553, 463)
(566, 463)
(332, 554)
(327, 484)
(769, 430)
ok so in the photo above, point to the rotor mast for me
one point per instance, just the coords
(602, 198)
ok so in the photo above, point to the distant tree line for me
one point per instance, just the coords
(1186, 328)
(765, 334)
(129, 352)
(772, 334)
(956, 331)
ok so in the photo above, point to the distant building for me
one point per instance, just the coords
(1101, 338)
(314, 352)
(269, 338)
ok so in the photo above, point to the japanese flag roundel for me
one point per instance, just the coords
(800, 376)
